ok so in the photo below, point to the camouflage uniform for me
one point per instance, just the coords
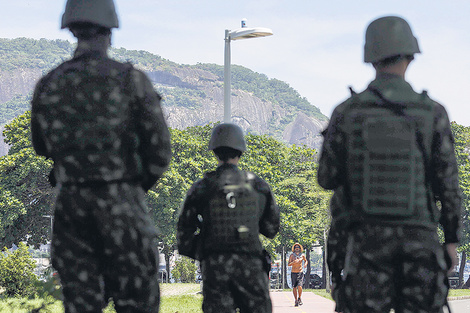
(395, 262)
(336, 245)
(102, 124)
(232, 278)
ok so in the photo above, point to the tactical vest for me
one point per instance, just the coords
(231, 217)
(388, 157)
(89, 124)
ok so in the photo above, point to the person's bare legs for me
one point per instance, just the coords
(294, 290)
(300, 295)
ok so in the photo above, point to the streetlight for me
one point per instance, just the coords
(240, 33)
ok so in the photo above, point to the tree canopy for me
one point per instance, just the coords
(26, 196)
(291, 172)
(462, 150)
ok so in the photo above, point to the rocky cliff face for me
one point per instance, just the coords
(17, 82)
(251, 113)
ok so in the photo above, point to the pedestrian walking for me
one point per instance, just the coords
(298, 261)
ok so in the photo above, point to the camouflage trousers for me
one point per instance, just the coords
(104, 247)
(232, 281)
(336, 247)
(399, 267)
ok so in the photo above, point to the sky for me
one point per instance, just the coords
(317, 46)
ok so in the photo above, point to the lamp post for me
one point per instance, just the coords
(237, 34)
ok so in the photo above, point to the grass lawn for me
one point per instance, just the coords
(459, 293)
(181, 298)
(181, 304)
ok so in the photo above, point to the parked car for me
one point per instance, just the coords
(454, 280)
(198, 277)
(315, 281)
(274, 279)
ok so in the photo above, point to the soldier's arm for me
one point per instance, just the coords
(445, 178)
(270, 219)
(188, 223)
(155, 148)
(37, 139)
(331, 168)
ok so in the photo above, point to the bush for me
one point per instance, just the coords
(184, 270)
(17, 276)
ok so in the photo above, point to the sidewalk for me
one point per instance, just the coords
(283, 302)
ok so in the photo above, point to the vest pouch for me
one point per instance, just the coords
(389, 166)
(231, 218)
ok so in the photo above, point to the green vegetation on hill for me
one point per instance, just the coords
(24, 53)
(261, 86)
(184, 97)
(144, 59)
(30, 53)
(13, 108)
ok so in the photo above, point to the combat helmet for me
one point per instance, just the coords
(387, 37)
(227, 135)
(98, 12)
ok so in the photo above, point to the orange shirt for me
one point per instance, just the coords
(296, 262)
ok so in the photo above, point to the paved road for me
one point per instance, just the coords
(283, 302)
(460, 306)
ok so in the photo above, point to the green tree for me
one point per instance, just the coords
(25, 193)
(190, 160)
(17, 272)
(291, 172)
(26, 196)
(184, 270)
(462, 149)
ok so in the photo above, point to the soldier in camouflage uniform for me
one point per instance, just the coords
(391, 150)
(101, 123)
(220, 222)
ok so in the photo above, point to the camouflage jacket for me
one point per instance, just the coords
(100, 120)
(442, 170)
(190, 223)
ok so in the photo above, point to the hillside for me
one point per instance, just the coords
(193, 94)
